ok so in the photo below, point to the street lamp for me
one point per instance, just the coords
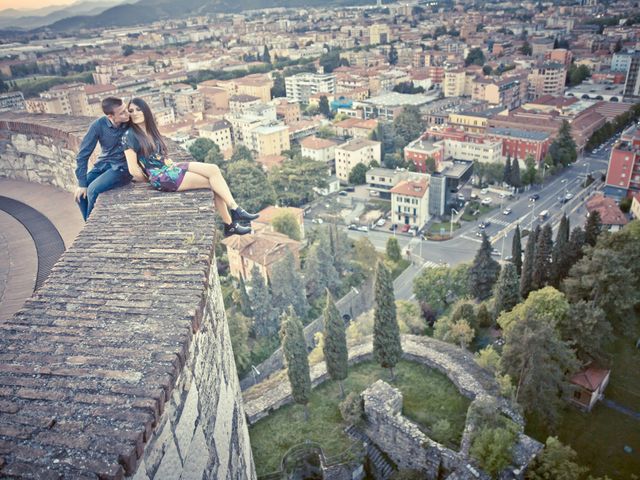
(453, 210)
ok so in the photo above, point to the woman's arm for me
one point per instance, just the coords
(132, 163)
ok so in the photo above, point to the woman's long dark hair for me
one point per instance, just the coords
(149, 146)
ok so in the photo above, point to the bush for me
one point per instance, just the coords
(352, 409)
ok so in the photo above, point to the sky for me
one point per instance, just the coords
(32, 4)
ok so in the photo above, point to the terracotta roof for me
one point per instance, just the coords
(610, 213)
(411, 188)
(348, 123)
(263, 247)
(93, 89)
(591, 378)
(367, 124)
(315, 143)
(270, 161)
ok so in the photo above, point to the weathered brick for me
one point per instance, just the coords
(79, 442)
(54, 395)
(28, 470)
(16, 431)
(8, 407)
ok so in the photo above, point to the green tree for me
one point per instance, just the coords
(214, 156)
(526, 49)
(530, 174)
(363, 252)
(393, 55)
(563, 148)
(200, 148)
(483, 272)
(296, 179)
(3, 86)
(249, 185)
(351, 409)
(483, 316)
(506, 292)
(542, 259)
(319, 271)
(587, 329)
(294, 349)
(393, 249)
(265, 317)
(592, 228)
(386, 333)
(475, 57)
(340, 247)
(535, 356)
(560, 254)
(516, 250)
(324, 107)
(239, 334)
(243, 299)
(335, 343)
(410, 319)
(488, 358)
(285, 222)
(556, 462)
(515, 180)
(575, 249)
(492, 447)
(241, 153)
(127, 50)
(266, 56)
(358, 174)
(506, 175)
(287, 287)
(441, 286)
(408, 125)
(464, 309)
(279, 89)
(461, 333)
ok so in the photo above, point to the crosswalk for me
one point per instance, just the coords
(499, 221)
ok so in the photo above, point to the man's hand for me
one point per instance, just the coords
(81, 192)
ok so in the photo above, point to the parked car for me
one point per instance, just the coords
(353, 226)
(486, 201)
(508, 258)
(381, 222)
(342, 193)
(534, 197)
(507, 211)
(350, 189)
(484, 191)
(405, 228)
(363, 228)
(474, 196)
(568, 196)
(495, 252)
(317, 220)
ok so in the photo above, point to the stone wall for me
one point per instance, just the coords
(121, 364)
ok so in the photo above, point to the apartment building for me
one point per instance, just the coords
(379, 33)
(287, 111)
(454, 83)
(219, 133)
(256, 85)
(547, 79)
(242, 104)
(632, 83)
(359, 150)
(267, 140)
(410, 203)
(303, 85)
(518, 144)
(13, 101)
(623, 172)
(319, 149)
(509, 92)
(421, 149)
(62, 99)
(214, 97)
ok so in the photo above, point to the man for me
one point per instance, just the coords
(110, 171)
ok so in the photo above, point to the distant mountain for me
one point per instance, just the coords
(30, 19)
(146, 11)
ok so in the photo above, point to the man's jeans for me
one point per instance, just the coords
(100, 179)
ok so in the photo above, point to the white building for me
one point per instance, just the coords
(359, 150)
(410, 203)
(488, 152)
(319, 149)
(219, 133)
(303, 85)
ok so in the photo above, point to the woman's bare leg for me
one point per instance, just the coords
(193, 181)
(217, 181)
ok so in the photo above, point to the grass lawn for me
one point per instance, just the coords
(470, 213)
(599, 437)
(428, 397)
(435, 227)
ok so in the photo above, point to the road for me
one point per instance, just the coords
(462, 248)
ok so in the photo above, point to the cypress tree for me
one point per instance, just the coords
(527, 266)
(244, 300)
(386, 332)
(516, 250)
(592, 228)
(336, 355)
(320, 272)
(287, 287)
(294, 348)
(574, 250)
(542, 259)
(265, 318)
(506, 175)
(507, 289)
(516, 180)
(483, 272)
(560, 256)
(393, 249)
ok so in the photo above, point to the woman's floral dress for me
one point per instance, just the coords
(162, 174)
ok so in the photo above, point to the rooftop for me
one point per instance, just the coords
(358, 144)
(315, 143)
(395, 99)
(412, 188)
(610, 213)
(591, 378)
(512, 132)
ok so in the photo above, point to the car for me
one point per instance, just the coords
(350, 189)
(484, 224)
(534, 197)
(563, 200)
(381, 222)
(461, 196)
(508, 258)
(564, 180)
(374, 193)
(478, 233)
(393, 227)
(353, 226)
(507, 211)
(474, 196)
(405, 228)
(568, 196)
(495, 252)
(503, 195)
(363, 228)
(486, 201)
(342, 193)
(317, 220)
(484, 191)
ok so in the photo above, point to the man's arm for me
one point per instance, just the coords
(87, 147)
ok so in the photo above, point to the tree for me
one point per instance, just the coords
(386, 333)
(506, 177)
(441, 286)
(296, 179)
(535, 356)
(461, 333)
(351, 409)
(563, 148)
(265, 317)
(542, 259)
(506, 292)
(393, 249)
(239, 334)
(484, 271)
(339, 246)
(530, 175)
(266, 56)
(516, 250)
(240, 152)
(587, 329)
(200, 148)
(335, 350)
(515, 180)
(358, 174)
(483, 316)
(486, 70)
(243, 299)
(526, 49)
(3, 86)
(127, 50)
(475, 57)
(592, 228)
(488, 359)
(287, 287)
(410, 319)
(527, 267)
(319, 271)
(492, 447)
(279, 89)
(285, 222)
(214, 156)
(323, 106)
(464, 309)
(557, 462)
(560, 254)
(393, 55)
(249, 185)
(408, 124)
(294, 349)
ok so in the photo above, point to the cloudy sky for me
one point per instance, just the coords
(31, 4)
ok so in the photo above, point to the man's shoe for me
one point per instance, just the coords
(235, 228)
(239, 214)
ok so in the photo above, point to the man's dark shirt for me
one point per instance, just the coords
(112, 151)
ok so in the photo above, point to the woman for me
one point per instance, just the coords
(147, 160)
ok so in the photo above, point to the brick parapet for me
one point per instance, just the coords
(121, 363)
